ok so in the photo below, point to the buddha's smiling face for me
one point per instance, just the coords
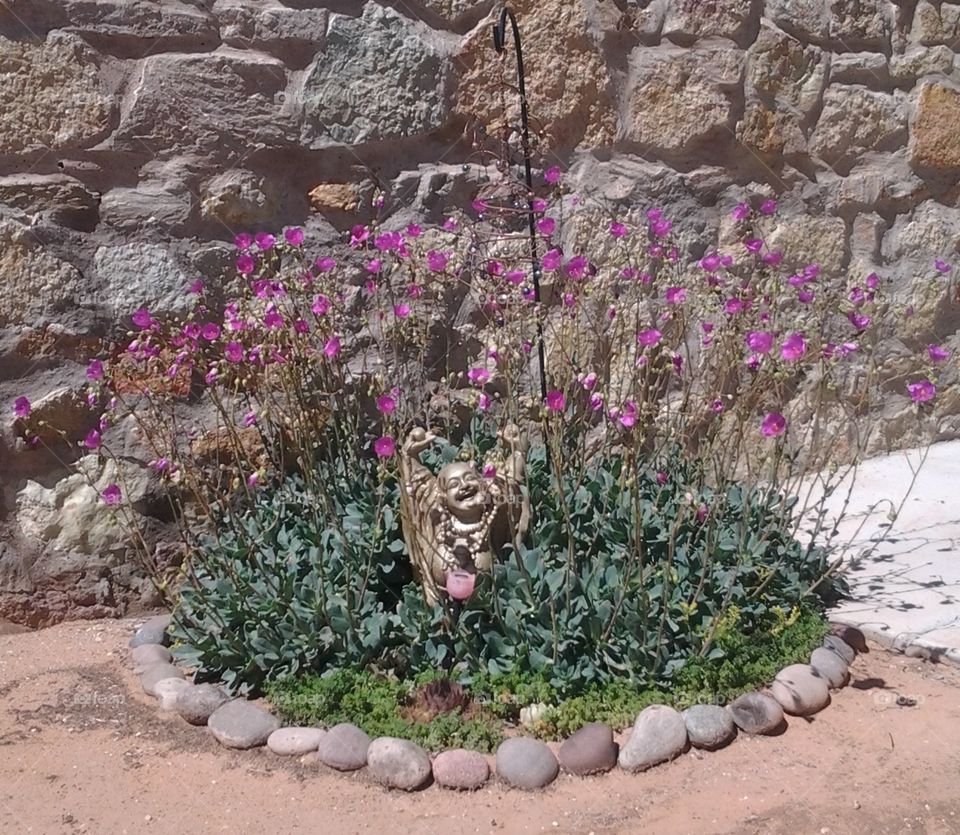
(464, 491)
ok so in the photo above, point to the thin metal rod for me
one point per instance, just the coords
(499, 43)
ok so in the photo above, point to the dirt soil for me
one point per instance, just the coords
(83, 750)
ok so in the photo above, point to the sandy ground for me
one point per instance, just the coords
(83, 750)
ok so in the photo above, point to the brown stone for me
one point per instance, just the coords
(339, 197)
(934, 144)
(568, 83)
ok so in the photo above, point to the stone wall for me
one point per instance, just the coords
(136, 137)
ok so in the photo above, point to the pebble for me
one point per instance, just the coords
(851, 636)
(709, 726)
(197, 704)
(839, 647)
(461, 769)
(398, 763)
(168, 690)
(154, 631)
(830, 666)
(591, 750)
(757, 713)
(658, 735)
(241, 724)
(526, 763)
(156, 673)
(147, 654)
(294, 742)
(344, 747)
(800, 690)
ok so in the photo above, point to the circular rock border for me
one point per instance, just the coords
(660, 733)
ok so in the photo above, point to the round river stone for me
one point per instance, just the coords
(591, 750)
(831, 666)
(800, 690)
(156, 673)
(293, 742)
(461, 769)
(709, 726)
(146, 654)
(526, 763)
(154, 631)
(840, 647)
(398, 763)
(344, 747)
(241, 724)
(197, 703)
(658, 735)
(757, 713)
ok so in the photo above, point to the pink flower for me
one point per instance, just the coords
(628, 414)
(386, 404)
(552, 174)
(858, 320)
(489, 471)
(654, 213)
(21, 407)
(773, 424)
(753, 244)
(243, 241)
(95, 370)
(589, 382)
(717, 405)
(211, 376)
(556, 401)
(793, 347)
(265, 240)
(373, 265)
(358, 235)
(596, 402)
(460, 585)
(414, 291)
(293, 236)
(734, 305)
(414, 231)
(576, 266)
(195, 288)
(872, 281)
(661, 228)
(538, 204)
(249, 419)
(478, 375)
(272, 317)
(142, 318)
(941, 266)
(552, 260)
(648, 337)
(936, 353)
(516, 276)
(300, 326)
(450, 224)
(437, 261)
(325, 264)
(805, 296)
(494, 268)
(245, 264)
(384, 446)
(710, 262)
(768, 207)
(479, 206)
(617, 229)
(253, 479)
(210, 331)
(233, 351)
(759, 341)
(388, 241)
(661, 477)
(92, 439)
(483, 402)
(320, 306)
(676, 295)
(402, 310)
(921, 391)
(332, 347)
(771, 259)
(741, 211)
(546, 225)
(111, 494)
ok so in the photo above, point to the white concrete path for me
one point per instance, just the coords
(906, 593)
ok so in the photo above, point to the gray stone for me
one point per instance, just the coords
(855, 120)
(379, 78)
(154, 631)
(140, 274)
(526, 763)
(295, 35)
(919, 61)
(156, 673)
(344, 747)
(658, 735)
(461, 769)
(167, 206)
(866, 24)
(64, 200)
(169, 25)
(292, 742)
(830, 666)
(590, 750)
(757, 713)
(709, 726)
(687, 19)
(168, 690)
(398, 763)
(211, 103)
(800, 690)
(197, 704)
(805, 19)
(840, 647)
(241, 724)
(240, 199)
(144, 655)
(851, 636)
(870, 68)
